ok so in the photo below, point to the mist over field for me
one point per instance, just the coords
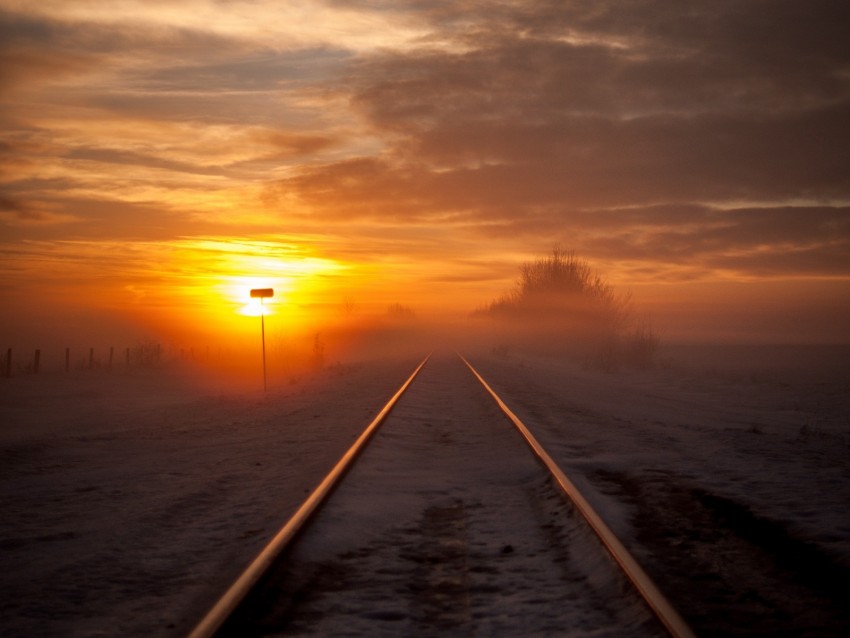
(175, 461)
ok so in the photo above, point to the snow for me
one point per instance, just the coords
(776, 439)
(133, 498)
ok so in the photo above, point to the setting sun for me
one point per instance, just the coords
(218, 275)
(257, 308)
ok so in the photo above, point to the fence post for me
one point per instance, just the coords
(36, 361)
(67, 359)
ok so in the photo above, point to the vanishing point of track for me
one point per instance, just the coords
(232, 612)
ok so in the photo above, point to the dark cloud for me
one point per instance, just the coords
(652, 121)
(159, 72)
(593, 163)
(798, 241)
(25, 54)
(616, 124)
(225, 85)
(637, 56)
(34, 49)
(61, 36)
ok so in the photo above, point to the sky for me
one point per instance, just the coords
(160, 158)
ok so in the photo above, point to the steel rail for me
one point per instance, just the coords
(656, 601)
(230, 601)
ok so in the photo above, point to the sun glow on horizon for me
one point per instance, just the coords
(209, 280)
(294, 275)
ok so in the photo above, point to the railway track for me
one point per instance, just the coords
(445, 525)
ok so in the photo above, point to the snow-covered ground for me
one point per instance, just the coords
(776, 439)
(727, 470)
(131, 499)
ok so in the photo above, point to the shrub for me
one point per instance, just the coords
(641, 345)
(400, 311)
(559, 303)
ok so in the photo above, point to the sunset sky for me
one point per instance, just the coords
(160, 158)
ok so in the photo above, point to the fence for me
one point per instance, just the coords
(17, 362)
(289, 357)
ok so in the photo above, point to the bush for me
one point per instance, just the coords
(560, 304)
(641, 345)
(401, 312)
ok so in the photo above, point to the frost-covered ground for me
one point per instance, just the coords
(131, 499)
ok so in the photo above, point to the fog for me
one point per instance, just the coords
(178, 471)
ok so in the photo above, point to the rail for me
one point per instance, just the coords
(230, 601)
(228, 606)
(656, 601)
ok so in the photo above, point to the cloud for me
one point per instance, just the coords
(771, 242)
(609, 125)
(721, 124)
(674, 141)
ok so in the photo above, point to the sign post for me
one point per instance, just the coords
(263, 293)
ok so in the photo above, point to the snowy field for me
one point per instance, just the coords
(131, 499)
(726, 470)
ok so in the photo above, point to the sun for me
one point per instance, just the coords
(211, 278)
(238, 290)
